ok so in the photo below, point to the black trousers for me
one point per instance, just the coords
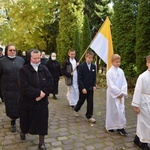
(82, 98)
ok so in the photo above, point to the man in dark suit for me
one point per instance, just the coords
(87, 84)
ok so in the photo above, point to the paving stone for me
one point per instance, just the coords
(64, 133)
(98, 145)
(62, 138)
(59, 148)
(79, 148)
(9, 137)
(69, 141)
(11, 146)
(56, 143)
(108, 148)
(128, 145)
(7, 142)
(79, 144)
(90, 147)
(49, 140)
(68, 147)
(89, 142)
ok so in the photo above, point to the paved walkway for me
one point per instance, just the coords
(67, 132)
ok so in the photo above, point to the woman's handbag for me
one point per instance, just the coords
(68, 79)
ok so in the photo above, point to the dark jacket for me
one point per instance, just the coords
(9, 74)
(25, 59)
(67, 69)
(86, 77)
(44, 61)
(54, 68)
(31, 83)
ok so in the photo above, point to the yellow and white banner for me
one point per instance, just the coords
(102, 43)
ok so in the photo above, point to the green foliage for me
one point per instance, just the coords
(71, 19)
(101, 80)
(77, 42)
(142, 35)
(28, 22)
(123, 32)
(86, 35)
(97, 12)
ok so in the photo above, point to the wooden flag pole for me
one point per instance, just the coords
(83, 54)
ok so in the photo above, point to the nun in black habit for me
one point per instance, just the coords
(36, 83)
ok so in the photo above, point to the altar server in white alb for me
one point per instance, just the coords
(141, 103)
(69, 70)
(116, 92)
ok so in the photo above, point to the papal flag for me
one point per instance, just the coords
(102, 43)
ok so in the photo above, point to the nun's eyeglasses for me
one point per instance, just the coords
(12, 50)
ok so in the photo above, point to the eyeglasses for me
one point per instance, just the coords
(12, 50)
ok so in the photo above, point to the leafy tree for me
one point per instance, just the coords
(86, 35)
(77, 42)
(97, 12)
(28, 23)
(71, 19)
(123, 31)
(142, 35)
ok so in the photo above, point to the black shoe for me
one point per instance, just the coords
(13, 128)
(110, 131)
(122, 132)
(145, 146)
(137, 142)
(23, 136)
(42, 147)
